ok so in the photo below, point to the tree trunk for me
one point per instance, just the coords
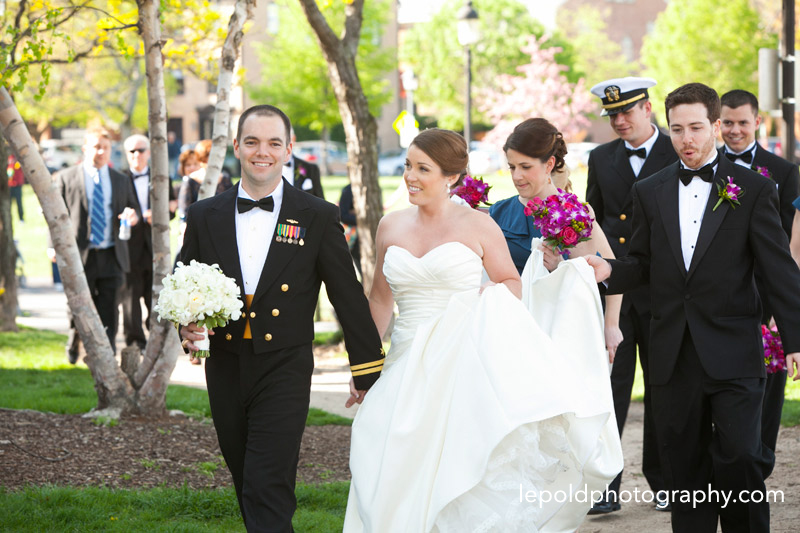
(113, 388)
(360, 127)
(161, 353)
(8, 253)
(242, 12)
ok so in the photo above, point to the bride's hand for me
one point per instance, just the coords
(356, 396)
(551, 258)
(613, 339)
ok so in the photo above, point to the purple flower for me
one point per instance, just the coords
(473, 191)
(729, 192)
(562, 219)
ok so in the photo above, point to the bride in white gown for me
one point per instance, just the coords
(485, 418)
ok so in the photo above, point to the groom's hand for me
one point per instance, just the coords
(356, 396)
(192, 333)
(602, 270)
(793, 365)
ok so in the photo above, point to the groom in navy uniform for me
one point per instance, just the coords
(699, 250)
(740, 120)
(279, 243)
(640, 150)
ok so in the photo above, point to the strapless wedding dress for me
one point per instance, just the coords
(485, 418)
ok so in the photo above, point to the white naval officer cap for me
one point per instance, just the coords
(620, 94)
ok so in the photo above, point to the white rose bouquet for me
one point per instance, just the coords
(199, 293)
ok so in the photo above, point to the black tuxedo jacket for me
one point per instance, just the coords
(140, 244)
(71, 185)
(306, 177)
(282, 312)
(609, 191)
(717, 298)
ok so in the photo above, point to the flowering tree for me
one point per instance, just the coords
(541, 90)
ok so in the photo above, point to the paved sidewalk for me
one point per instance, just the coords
(46, 308)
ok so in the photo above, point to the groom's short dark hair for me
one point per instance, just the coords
(694, 93)
(737, 98)
(264, 111)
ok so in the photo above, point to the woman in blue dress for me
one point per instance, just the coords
(535, 150)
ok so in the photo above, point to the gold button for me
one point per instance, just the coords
(622, 240)
(275, 312)
(284, 287)
(252, 314)
(243, 314)
(268, 337)
(623, 216)
(228, 336)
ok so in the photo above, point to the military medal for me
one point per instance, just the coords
(290, 233)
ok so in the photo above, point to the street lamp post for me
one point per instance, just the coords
(467, 36)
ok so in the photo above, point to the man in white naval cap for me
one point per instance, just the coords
(640, 150)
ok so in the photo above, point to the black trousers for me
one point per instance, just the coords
(710, 431)
(138, 285)
(772, 409)
(259, 404)
(635, 326)
(104, 277)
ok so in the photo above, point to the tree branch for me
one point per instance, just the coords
(352, 26)
(323, 31)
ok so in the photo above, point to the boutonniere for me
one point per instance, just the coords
(300, 171)
(764, 171)
(730, 192)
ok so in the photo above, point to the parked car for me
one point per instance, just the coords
(485, 158)
(335, 155)
(392, 163)
(60, 153)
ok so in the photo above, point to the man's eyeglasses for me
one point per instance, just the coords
(140, 150)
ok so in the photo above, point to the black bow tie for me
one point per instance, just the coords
(747, 156)
(134, 175)
(705, 173)
(243, 205)
(639, 152)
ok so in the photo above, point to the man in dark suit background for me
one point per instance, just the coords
(740, 121)
(614, 167)
(138, 283)
(279, 243)
(699, 252)
(97, 198)
(302, 174)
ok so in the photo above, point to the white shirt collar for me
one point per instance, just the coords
(709, 160)
(748, 149)
(648, 144)
(277, 194)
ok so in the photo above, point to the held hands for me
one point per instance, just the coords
(602, 270)
(356, 396)
(551, 257)
(190, 333)
(793, 365)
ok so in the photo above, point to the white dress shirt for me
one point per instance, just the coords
(637, 162)
(741, 162)
(692, 200)
(254, 235)
(141, 182)
(288, 170)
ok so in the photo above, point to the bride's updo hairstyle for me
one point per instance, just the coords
(537, 138)
(448, 150)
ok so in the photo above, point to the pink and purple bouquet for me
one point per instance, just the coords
(474, 191)
(563, 220)
(774, 358)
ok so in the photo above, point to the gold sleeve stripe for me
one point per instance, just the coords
(368, 371)
(624, 102)
(368, 365)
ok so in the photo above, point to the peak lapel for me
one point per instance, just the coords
(670, 218)
(622, 164)
(221, 233)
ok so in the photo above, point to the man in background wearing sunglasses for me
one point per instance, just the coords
(139, 279)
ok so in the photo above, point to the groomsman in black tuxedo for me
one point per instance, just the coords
(699, 249)
(302, 174)
(138, 284)
(740, 121)
(614, 167)
(279, 244)
(97, 198)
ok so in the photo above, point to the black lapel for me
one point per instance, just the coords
(221, 233)
(667, 196)
(622, 164)
(657, 158)
(712, 219)
(295, 210)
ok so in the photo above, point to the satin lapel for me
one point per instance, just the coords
(667, 193)
(622, 164)
(295, 211)
(221, 233)
(712, 219)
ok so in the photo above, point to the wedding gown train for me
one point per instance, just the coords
(487, 417)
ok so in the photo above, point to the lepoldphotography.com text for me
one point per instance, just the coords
(694, 497)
